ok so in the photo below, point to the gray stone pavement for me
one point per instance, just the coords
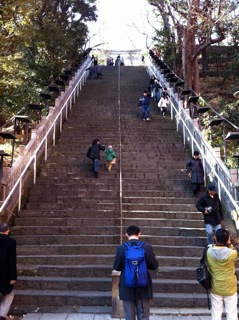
(156, 314)
(90, 316)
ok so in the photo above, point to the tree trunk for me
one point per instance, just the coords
(190, 64)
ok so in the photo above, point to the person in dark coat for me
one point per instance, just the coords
(8, 269)
(210, 205)
(135, 300)
(156, 87)
(151, 83)
(195, 172)
(96, 147)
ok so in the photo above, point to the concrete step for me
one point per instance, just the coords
(71, 225)
(108, 213)
(44, 253)
(103, 284)
(31, 300)
(107, 260)
(74, 231)
(81, 191)
(185, 239)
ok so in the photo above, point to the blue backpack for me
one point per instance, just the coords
(135, 272)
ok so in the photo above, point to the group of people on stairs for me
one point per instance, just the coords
(155, 92)
(221, 255)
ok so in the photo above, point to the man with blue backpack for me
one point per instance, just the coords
(134, 258)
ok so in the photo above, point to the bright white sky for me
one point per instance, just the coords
(116, 19)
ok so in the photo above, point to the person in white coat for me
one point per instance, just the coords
(164, 104)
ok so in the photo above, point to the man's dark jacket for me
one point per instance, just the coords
(126, 293)
(144, 101)
(8, 269)
(195, 167)
(95, 151)
(216, 215)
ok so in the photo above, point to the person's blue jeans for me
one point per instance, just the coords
(96, 165)
(209, 229)
(145, 112)
(156, 96)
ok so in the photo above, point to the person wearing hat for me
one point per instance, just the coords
(195, 172)
(110, 156)
(210, 206)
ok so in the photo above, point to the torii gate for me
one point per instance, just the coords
(133, 56)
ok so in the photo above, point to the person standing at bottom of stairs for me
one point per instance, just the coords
(8, 269)
(135, 299)
(96, 147)
(144, 104)
(221, 259)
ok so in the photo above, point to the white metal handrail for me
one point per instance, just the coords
(43, 135)
(215, 169)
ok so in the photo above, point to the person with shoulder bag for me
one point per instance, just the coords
(221, 258)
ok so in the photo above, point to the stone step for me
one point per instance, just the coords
(66, 270)
(30, 301)
(106, 260)
(158, 200)
(128, 185)
(71, 206)
(63, 190)
(109, 196)
(74, 231)
(185, 272)
(37, 253)
(167, 239)
(149, 162)
(71, 225)
(48, 301)
(113, 205)
(159, 207)
(77, 199)
(107, 213)
(103, 284)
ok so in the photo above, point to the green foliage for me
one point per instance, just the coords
(214, 134)
(38, 40)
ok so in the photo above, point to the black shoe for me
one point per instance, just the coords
(2, 318)
(96, 176)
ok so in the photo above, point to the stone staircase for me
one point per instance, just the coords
(68, 232)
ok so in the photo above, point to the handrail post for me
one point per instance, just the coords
(117, 305)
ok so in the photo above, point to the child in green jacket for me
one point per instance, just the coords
(110, 156)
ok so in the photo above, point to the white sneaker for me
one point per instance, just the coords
(147, 119)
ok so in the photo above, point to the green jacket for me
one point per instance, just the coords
(110, 154)
(221, 263)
